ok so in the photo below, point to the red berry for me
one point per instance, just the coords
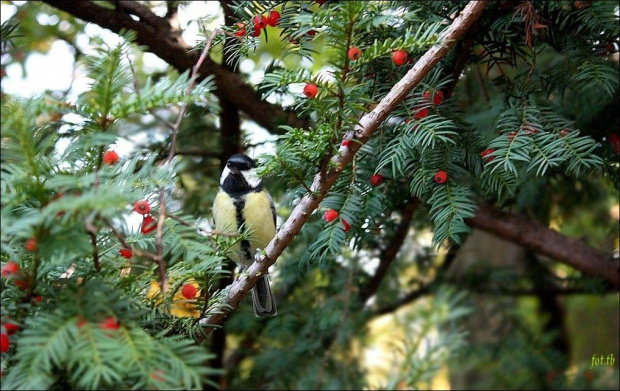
(110, 323)
(346, 225)
(310, 90)
(24, 284)
(311, 33)
(441, 177)
(142, 207)
(256, 32)
(158, 375)
(110, 158)
(37, 298)
(321, 2)
(530, 129)
(11, 328)
(437, 98)
(189, 291)
(376, 180)
(511, 135)
(399, 57)
(273, 19)
(564, 132)
(148, 224)
(354, 53)
(31, 244)
(588, 375)
(330, 215)
(420, 113)
(614, 140)
(347, 143)
(581, 4)
(126, 253)
(487, 152)
(9, 268)
(4, 343)
(80, 322)
(260, 21)
(240, 29)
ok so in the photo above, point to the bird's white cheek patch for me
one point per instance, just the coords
(224, 175)
(252, 178)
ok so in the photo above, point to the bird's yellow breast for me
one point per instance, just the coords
(256, 216)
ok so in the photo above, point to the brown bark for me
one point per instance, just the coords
(537, 237)
(162, 40)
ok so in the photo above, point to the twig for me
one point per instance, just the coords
(138, 252)
(482, 85)
(190, 87)
(163, 279)
(205, 231)
(362, 132)
(388, 254)
(92, 231)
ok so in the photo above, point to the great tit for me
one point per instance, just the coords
(242, 204)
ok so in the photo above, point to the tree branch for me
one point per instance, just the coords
(539, 238)
(168, 44)
(367, 125)
(388, 254)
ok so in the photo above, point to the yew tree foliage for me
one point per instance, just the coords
(546, 75)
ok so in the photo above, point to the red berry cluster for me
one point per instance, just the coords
(486, 154)
(110, 323)
(260, 22)
(149, 224)
(20, 278)
(9, 269)
(8, 328)
(332, 214)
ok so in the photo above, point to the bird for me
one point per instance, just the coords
(241, 205)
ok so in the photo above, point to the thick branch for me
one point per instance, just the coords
(537, 237)
(367, 125)
(167, 43)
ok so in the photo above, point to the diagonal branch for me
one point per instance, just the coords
(167, 43)
(367, 125)
(537, 237)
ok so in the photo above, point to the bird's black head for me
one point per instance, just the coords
(239, 176)
(240, 162)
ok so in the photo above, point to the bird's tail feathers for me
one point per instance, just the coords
(262, 298)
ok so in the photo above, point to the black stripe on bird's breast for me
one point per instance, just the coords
(245, 244)
(236, 186)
